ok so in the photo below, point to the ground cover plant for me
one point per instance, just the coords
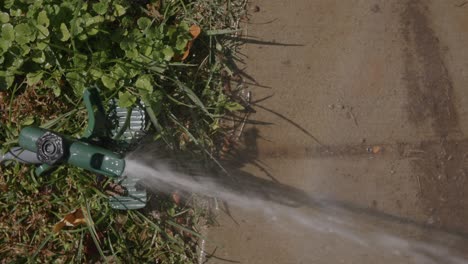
(174, 56)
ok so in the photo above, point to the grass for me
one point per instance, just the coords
(186, 101)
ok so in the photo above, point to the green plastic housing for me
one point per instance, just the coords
(78, 153)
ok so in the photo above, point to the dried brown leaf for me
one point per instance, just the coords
(195, 32)
(75, 218)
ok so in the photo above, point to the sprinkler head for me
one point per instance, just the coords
(50, 148)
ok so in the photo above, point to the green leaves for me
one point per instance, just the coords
(24, 33)
(65, 34)
(77, 82)
(128, 44)
(16, 12)
(6, 79)
(38, 56)
(181, 42)
(119, 10)
(80, 61)
(101, 7)
(8, 3)
(28, 121)
(43, 32)
(144, 83)
(4, 17)
(7, 37)
(90, 21)
(42, 19)
(126, 99)
(8, 33)
(33, 78)
(25, 49)
(76, 26)
(41, 45)
(233, 106)
(108, 81)
(98, 42)
(96, 74)
(168, 53)
(144, 23)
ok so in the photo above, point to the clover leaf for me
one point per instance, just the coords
(126, 99)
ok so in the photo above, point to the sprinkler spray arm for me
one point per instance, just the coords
(53, 149)
(49, 149)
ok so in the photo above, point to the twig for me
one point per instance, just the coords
(419, 183)
(462, 4)
(353, 117)
(264, 23)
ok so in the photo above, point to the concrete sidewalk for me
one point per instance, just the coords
(369, 108)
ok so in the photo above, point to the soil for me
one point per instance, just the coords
(364, 103)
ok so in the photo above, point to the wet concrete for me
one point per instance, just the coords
(367, 103)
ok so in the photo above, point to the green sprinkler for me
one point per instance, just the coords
(100, 150)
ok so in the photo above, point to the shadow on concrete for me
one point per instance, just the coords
(241, 183)
(253, 188)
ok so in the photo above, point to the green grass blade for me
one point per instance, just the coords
(186, 229)
(93, 232)
(55, 121)
(41, 246)
(193, 97)
(175, 120)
